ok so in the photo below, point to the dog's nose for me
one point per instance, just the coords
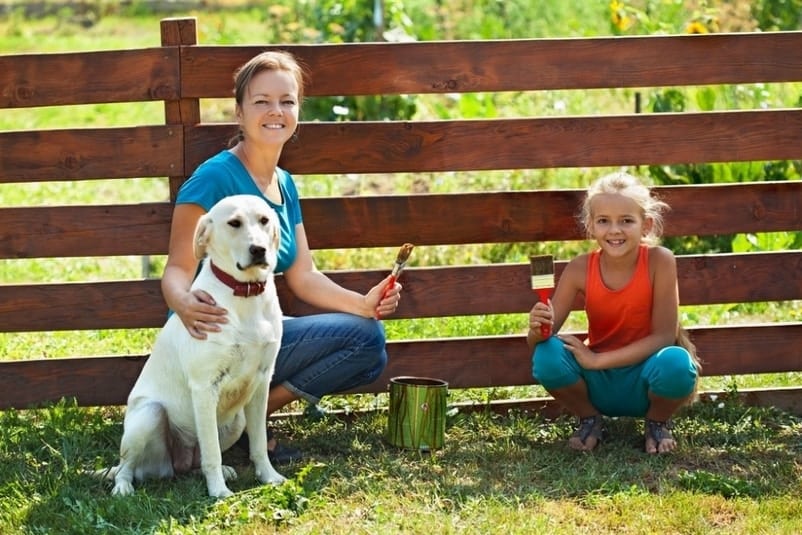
(257, 252)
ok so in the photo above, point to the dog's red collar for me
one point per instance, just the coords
(241, 289)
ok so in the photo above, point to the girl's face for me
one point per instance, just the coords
(617, 223)
(269, 111)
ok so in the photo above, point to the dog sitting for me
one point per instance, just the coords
(194, 398)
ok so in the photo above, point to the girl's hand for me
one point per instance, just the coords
(582, 353)
(541, 314)
(200, 314)
(386, 305)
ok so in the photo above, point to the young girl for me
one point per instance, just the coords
(632, 363)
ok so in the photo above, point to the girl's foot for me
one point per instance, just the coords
(658, 436)
(588, 433)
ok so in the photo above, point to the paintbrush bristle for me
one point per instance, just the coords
(542, 271)
(403, 253)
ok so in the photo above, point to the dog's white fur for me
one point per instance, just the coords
(195, 397)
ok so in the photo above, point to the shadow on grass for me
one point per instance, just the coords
(728, 450)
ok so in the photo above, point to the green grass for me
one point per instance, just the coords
(736, 471)
(737, 468)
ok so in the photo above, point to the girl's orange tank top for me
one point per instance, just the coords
(617, 318)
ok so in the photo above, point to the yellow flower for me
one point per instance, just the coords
(618, 16)
(696, 27)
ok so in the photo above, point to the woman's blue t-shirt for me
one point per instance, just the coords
(223, 175)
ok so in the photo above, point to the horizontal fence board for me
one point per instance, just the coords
(784, 398)
(526, 143)
(463, 363)
(352, 222)
(461, 291)
(514, 65)
(79, 306)
(89, 77)
(87, 153)
(68, 231)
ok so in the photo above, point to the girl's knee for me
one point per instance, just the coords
(553, 366)
(673, 374)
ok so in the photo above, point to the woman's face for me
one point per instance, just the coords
(269, 110)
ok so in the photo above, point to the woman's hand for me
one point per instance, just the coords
(582, 353)
(384, 306)
(200, 314)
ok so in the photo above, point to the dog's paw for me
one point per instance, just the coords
(221, 493)
(229, 474)
(122, 488)
(268, 474)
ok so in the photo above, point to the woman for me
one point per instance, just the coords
(319, 354)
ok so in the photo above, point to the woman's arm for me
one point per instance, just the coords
(197, 310)
(315, 288)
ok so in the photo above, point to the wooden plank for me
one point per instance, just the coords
(461, 291)
(534, 216)
(76, 306)
(515, 65)
(145, 74)
(462, 362)
(79, 154)
(788, 399)
(68, 231)
(505, 360)
(184, 111)
(352, 222)
(461, 145)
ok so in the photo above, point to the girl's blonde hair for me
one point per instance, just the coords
(623, 183)
(684, 341)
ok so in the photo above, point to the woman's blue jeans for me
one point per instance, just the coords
(325, 353)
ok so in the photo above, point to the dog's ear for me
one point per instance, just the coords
(203, 233)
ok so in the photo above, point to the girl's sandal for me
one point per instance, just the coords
(660, 433)
(590, 427)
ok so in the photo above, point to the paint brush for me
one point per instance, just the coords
(400, 261)
(543, 283)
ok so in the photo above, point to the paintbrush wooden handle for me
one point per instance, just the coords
(543, 294)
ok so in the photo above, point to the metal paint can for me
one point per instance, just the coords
(417, 413)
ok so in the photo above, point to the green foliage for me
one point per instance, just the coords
(774, 15)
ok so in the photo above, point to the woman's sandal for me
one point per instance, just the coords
(659, 432)
(589, 427)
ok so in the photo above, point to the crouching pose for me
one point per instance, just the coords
(636, 361)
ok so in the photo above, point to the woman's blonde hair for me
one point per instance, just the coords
(623, 183)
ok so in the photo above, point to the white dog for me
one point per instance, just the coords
(194, 397)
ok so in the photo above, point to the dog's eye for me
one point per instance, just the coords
(236, 223)
(264, 221)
